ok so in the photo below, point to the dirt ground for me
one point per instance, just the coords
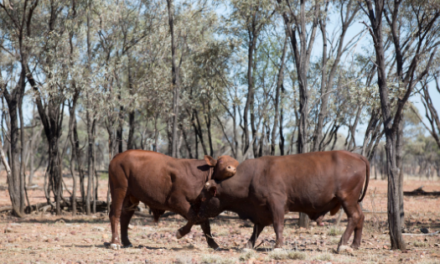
(45, 238)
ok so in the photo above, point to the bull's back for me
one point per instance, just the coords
(144, 174)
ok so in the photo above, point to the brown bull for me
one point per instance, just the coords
(163, 183)
(265, 189)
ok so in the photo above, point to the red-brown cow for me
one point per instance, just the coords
(163, 183)
(265, 189)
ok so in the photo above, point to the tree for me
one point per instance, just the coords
(409, 50)
(302, 40)
(175, 68)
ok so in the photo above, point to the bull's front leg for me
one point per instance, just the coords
(192, 218)
(183, 207)
(206, 227)
(181, 232)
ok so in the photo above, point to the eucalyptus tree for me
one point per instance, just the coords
(15, 30)
(413, 29)
(247, 21)
(302, 25)
(175, 69)
(348, 11)
(49, 79)
(431, 112)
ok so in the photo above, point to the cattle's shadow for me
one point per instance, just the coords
(86, 246)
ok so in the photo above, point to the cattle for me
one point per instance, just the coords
(263, 190)
(164, 184)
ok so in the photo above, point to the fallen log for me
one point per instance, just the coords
(420, 192)
(5, 208)
(421, 234)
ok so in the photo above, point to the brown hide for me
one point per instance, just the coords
(163, 183)
(265, 189)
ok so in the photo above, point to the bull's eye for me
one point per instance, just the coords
(229, 167)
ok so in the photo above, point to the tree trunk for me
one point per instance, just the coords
(15, 179)
(175, 79)
(391, 148)
(78, 154)
(14, 201)
(131, 128)
(302, 52)
(277, 98)
(281, 143)
(250, 95)
(90, 159)
(119, 131)
(185, 138)
(207, 116)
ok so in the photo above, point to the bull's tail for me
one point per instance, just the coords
(367, 180)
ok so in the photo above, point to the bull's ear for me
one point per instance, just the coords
(210, 161)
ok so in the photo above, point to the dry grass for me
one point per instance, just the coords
(335, 231)
(287, 254)
(324, 257)
(215, 259)
(248, 255)
(295, 255)
(420, 244)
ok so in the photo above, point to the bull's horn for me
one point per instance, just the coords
(207, 184)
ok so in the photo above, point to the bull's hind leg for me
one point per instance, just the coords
(353, 215)
(118, 195)
(277, 209)
(358, 229)
(129, 206)
(206, 227)
(257, 230)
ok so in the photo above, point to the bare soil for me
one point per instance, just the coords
(46, 238)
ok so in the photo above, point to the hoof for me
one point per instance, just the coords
(214, 246)
(115, 246)
(345, 249)
(178, 235)
(128, 246)
(355, 247)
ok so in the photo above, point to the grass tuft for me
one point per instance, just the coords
(295, 255)
(215, 259)
(420, 244)
(247, 255)
(324, 257)
(334, 231)
(183, 260)
(282, 255)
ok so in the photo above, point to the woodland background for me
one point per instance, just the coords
(82, 80)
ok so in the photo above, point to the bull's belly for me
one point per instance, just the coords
(253, 211)
(152, 196)
(313, 207)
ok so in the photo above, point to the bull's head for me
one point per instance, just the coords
(210, 203)
(224, 167)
